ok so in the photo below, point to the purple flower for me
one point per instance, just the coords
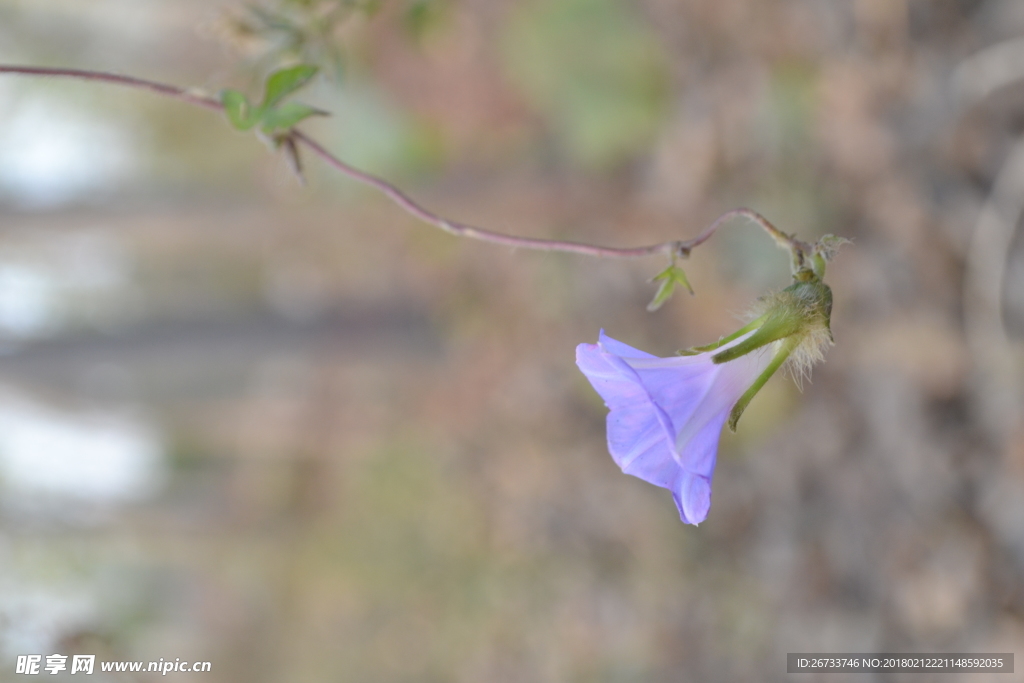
(667, 413)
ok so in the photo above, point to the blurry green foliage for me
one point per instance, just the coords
(310, 31)
(240, 113)
(271, 115)
(374, 134)
(794, 99)
(795, 192)
(306, 30)
(282, 118)
(284, 82)
(419, 16)
(595, 71)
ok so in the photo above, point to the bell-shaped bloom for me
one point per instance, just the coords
(666, 414)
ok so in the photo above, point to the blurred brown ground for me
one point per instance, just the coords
(381, 461)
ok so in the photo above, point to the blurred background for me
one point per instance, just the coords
(291, 431)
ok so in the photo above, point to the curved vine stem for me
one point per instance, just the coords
(183, 94)
(673, 249)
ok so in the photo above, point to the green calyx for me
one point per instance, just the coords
(797, 320)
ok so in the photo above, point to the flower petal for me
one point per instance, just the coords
(637, 427)
(619, 349)
(697, 440)
(666, 414)
(693, 498)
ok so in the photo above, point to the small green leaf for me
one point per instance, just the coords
(663, 294)
(284, 82)
(284, 117)
(680, 278)
(669, 278)
(240, 113)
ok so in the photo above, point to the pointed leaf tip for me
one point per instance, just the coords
(663, 294)
(680, 277)
(284, 82)
(669, 278)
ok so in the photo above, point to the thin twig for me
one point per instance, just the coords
(140, 83)
(464, 230)
(673, 248)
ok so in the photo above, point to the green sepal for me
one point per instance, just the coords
(818, 263)
(669, 278)
(284, 82)
(826, 307)
(241, 114)
(694, 350)
(780, 357)
(778, 325)
(286, 116)
(815, 299)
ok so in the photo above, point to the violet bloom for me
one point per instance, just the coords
(667, 414)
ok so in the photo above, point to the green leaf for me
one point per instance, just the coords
(284, 82)
(663, 294)
(669, 278)
(240, 113)
(286, 116)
